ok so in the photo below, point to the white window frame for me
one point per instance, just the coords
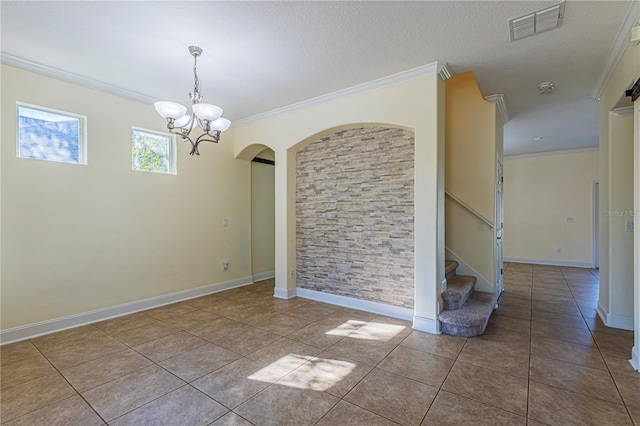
(82, 130)
(173, 159)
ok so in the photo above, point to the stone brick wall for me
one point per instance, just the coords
(355, 215)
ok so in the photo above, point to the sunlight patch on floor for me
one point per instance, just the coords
(377, 331)
(346, 328)
(318, 374)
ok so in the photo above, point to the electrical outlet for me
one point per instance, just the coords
(629, 225)
(225, 264)
(559, 249)
(225, 222)
(292, 274)
(480, 226)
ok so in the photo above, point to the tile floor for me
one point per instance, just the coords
(243, 357)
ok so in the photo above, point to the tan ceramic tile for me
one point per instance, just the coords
(168, 346)
(417, 365)
(629, 387)
(234, 293)
(231, 419)
(560, 407)
(513, 307)
(235, 383)
(145, 333)
(436, 344)
(313, 311)
(596, 324)
(283, 305)
(115, 398)
(635, 415)
(518, 291)
(568, 307)
(504, 357)
(356, 417)
(329, 373)
(572, 321)
(552, 291)
(569, 352)
(618, 362)
(191, 319)
(70, 411)
(183, 406)
(205, 301)
(218, 329)
(84, 350)
(246, 341)
(102, 370)
(505, 323)
(487, 386)
(32, 395)
(254, 298)
(17, 352)
(395, 397)
(614, 342)
(60, 340)
(279, 405)
(224, 307)
(251, 314)
(323, 334)
(282, 324)
(348, 314)
(198, 362)
(455, 410)
(24, 370)
(125, 322)
(558, 332)
(367, 351)
(575, 378)
(172, 310)
(285, 353)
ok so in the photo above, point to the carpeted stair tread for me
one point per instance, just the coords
(458, 290)
(450, 268)
(471, 319)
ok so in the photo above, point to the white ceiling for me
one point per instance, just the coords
(259, 56)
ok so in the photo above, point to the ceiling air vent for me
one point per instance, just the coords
(536, 22)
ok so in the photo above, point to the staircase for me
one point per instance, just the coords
(466, 312)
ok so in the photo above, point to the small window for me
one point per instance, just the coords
(153, 152)
(50, 135)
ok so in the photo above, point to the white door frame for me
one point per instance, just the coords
(596, 225)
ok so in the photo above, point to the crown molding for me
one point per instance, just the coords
(74, 78)
(439, 68)
(624, 111)
(498, 99)
(549, 153)
(617, 48)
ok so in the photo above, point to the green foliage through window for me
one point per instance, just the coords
(151, 152)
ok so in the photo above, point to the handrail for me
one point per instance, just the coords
(475, 213)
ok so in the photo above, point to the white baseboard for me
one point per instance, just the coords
(482, 284)
(549, 262)
(614, 321)
(362, 305)
(284, 293)
(427, 325)
(635, 359)
(58, 324)
(264, 276)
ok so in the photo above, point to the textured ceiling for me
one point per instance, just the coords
(259, 56)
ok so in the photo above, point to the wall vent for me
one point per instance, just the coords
(536, 22)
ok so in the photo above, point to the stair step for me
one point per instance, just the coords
(459, 288)
(450, 268)
(472, 318)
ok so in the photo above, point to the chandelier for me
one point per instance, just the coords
(207, 116)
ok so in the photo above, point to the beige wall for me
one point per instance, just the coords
(473, 143)
(416, 104)
(540, 193)
(79, 238)
(615, 306)
(263, 216)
